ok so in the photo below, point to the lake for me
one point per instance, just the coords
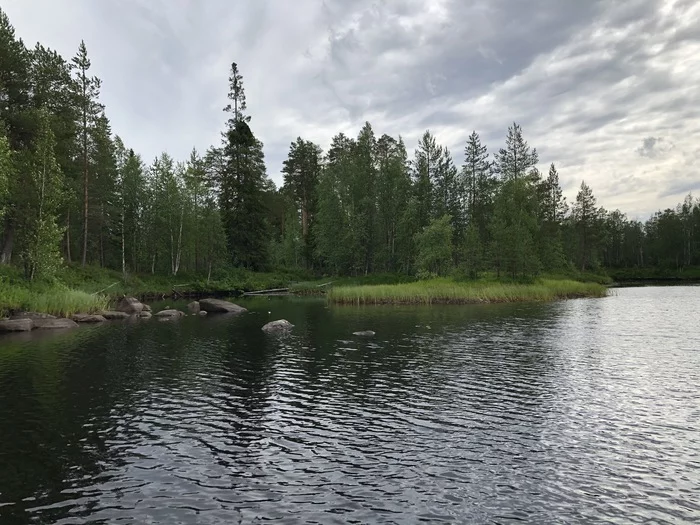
(573, 411)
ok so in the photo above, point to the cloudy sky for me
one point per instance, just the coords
(609, 90)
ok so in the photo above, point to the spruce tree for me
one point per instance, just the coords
(242, 183)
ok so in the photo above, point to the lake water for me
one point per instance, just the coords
(574, 411)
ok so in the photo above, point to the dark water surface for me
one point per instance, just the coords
(578, 411)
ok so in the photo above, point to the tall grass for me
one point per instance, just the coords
(57, 300)
(446, 291)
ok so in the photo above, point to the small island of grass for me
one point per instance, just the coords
(447, 291)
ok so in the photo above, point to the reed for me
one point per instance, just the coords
(58, 300)
(446, 291)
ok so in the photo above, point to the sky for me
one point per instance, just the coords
(608, 90)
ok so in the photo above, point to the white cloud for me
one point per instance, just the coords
(589, 81)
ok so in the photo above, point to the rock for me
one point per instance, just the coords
(202, 313)
(219, 306)
(147, 308)
(194, 307)
(112, 316)
(16, 325)
(364, 333)
(279, 326)
(32, 315)
(54, 324)
(130, 305)
(88, 318)
(169, 314)
(145, 315)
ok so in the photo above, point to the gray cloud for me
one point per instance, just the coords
(590, 82)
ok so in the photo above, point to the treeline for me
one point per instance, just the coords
(71, 191)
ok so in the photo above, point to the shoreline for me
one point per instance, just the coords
(445, 291)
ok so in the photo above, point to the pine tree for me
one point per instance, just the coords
(301, 174)
(337, 245)
(393, 194)
(242, 183)
(586, 219)
(514, 229)
(516, 159)
(477, 187)
(15, 97)
(425, 164)
(552, 210)
(86, 93)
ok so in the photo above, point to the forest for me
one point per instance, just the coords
(73, 194)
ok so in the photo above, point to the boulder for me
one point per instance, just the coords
(32, 315)
(364, 333)
(88, 318)
(194, 307)
(54, 324)
(145, 315)
(130, 305)
(113, 316)
(279, 326)
(147, 308)
(169, 314)
(219, 306)
(16, 325)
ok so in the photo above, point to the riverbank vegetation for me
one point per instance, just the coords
(82, 210)
(448, 291)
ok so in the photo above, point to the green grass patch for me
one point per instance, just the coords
(447, 291)
(57, 299)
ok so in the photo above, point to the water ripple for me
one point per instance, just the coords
(580, 411)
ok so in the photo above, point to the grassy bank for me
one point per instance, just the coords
(90, 289)
(57, 300)
(447, 291)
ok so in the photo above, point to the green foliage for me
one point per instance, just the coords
(451, 292)
(362, 208)
(434, 246)
(41, 234)
(514, 229)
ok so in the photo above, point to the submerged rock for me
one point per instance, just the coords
(16, 325)
(219, 306)
(202, 313)
(32, 315)
(194, 307)
(88, 318)
(113, 316)
(281, 325)
(54, 324)
(170, 314)
(130, 305)
(364, 333)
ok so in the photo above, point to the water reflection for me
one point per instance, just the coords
(571, 411)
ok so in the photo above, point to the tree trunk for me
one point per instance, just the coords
(8, 238)
(68, 255)
(85, 184)
(123, 245)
